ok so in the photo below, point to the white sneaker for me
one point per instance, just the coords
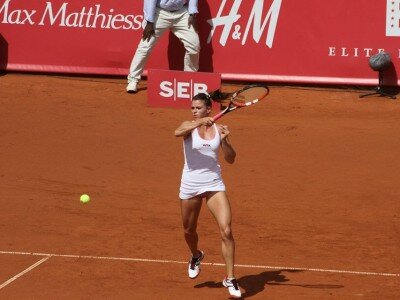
(132, 87)
(194, 265)
(233, 287)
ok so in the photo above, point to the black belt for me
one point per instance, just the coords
(178, 9)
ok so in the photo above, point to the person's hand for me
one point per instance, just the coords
(224, 131)
(193, 22)
(148, 31)
(207, 121)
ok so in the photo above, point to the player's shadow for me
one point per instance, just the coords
(3, 55)
(176, 51)
(254, 284)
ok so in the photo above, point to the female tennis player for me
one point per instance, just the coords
(201, 179)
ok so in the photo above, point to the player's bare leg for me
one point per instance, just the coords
(190, 213)
(219, 206)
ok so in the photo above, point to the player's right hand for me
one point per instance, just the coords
(207, 121)
(148, 31)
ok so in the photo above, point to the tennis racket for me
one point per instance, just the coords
(246, 96)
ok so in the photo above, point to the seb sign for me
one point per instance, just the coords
(176, 89)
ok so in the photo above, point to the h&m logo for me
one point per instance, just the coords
(256, 24)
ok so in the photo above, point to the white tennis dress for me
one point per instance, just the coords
(201, 171)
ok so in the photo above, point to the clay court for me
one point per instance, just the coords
(315, 194)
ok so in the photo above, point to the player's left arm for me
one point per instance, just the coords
(227, 148)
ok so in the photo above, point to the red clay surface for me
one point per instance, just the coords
(315, 185)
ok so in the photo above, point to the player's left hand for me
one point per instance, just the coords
(224, 131)
(193, 22)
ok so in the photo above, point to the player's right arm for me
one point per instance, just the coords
(186, 127)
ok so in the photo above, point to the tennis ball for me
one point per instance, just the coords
(85, 198)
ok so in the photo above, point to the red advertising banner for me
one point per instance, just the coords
(263, 40)
(176, 88)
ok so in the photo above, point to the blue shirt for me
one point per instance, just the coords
(170, 5)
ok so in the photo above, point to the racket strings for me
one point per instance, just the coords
(250, 96)
(240, 99)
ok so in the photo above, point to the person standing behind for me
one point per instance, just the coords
(179, 16)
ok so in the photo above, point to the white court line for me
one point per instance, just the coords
(24, 271)
(203, 263)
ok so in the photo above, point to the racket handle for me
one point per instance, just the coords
(217, 116)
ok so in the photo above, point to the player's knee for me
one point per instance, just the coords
(189, 230)
(226, 233)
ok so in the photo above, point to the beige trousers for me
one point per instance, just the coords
(177, 22)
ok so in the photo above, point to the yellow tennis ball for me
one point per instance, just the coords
(85, 198)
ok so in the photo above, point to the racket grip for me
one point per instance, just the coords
(217, 116)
